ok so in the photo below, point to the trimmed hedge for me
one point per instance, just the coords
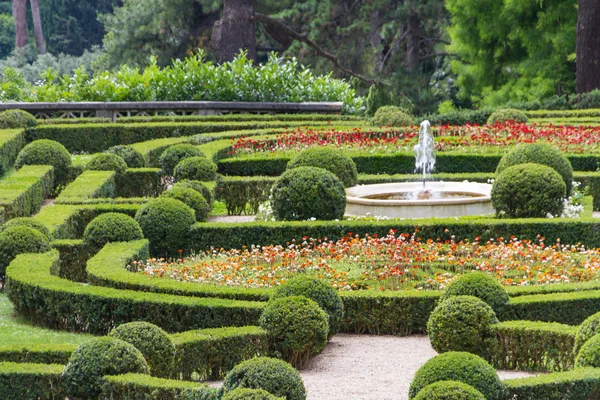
(132, 157)
(107, 162)
(11, 143)
(46, 152)
(239, 192)
(140, 182)
(480, 285)
(31, 381)
(192, 199)
(588, 329)
(579, 384)
(173, 155)
(89, 185)
(20, 239)
(37, 353)
(23, 192)
(16, 119)
(589, 353)
(73, 257)
(29, 222)
(111, 227)
(333, 160)
(195, 169)
(449, 390)
(140, 386)
(250, 394)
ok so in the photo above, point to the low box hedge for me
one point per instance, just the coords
(578, 384)
(88, 185)
(242, 117)
(139, 386)
(11, 143)
(140, 182)
(30, 381)
(23, 192)
(73, 254)
(37, 353)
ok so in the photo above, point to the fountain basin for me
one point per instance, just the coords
(406, 200)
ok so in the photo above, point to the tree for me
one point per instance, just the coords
(588, 46)
(37, 26)
(20, 16)
(235, 30)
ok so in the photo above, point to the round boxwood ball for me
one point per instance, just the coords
(458, 366)
(392, 116)
(111, 227)
(308, 192)
(589, 354)
(250, 394)
(198, 187)
(539, 153)
(449, 390)
(480, 285)
(20, 239)
(528, 191)
(15, 119)
(332, 160)
(461, 323)
(132, 157)
(507, 114)
(195, 169)
(46, 152)
(28, 222)
(320, 292)
(174, 154)
(107, 162)
(153, 342)
(275, 376)
(192, 199)
(165, 223)
(588, 328)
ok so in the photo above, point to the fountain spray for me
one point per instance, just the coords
(424, 151)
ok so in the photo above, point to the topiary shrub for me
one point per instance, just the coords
(539, 153)
(192, 199)
(588, 328)
(16, 240)
(15, 119)
(46, 152)
(173, 155)
(28, 222)
(462, 323)
(92, 360)
(507, 114)
(320, 292)
(107, 162)
(589, 354)
(195, 169)
(154, 344)
(132, 157)
(528, 191)
(332, 160)
(481, 286)
(275, 376)
(250, 394)
(111, 227)
(392, 116)
(449, 390)
(308, 192)
(296, 327)
(458, 366)
(198, 187)
(165, 223)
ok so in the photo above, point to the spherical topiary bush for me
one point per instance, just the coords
(528, 191)
(589, 354)
(195, 169)
(449, 390)
(132, 157)
(296, 327)
(175, 154)
(20, 239)
(507, 114)
(198, 187)
(308, 192)
(588, 328)
(15, 119)
(250, 394)
(192, 199)
(275, 376)
(463, 367)
(332, 160)
(481, 286)
(153, 342)
(46, 152)
(320, 292)
(111, 227)
(165, 222)
(539, 153)
(28, 222)
(82, 378)
(392, 116)
(107, 162)
(461, 323)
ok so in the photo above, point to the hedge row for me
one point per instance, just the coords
(73, 255)
(242, 117)
(88, 185)
(37, 353)
(11, 143)
(140, 386)
(23, 192)
(592, 112)
(140, 182)
(578, 384)
(30, 381)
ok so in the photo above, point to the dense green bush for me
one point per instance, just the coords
(480, 285)
(146, 387)
(250, 394)
(589, 354)
(28, 222)
(461, 117)
(332, 160)
(107, 162)
(240, 192)
(132, 157)
(46, 152)
(392, 116)
(458, 366)
(275, 376)
(111, 227)
(528, 191)
(14, 119)
(198, 187)
(308, 192)
(319, 291)
(83, 375)
(588, 328)
(195, 169)
(192, 199)
(20, 239)
(449, 390)
(154, 344)
(27, 381)
(507, 114)
(173, 155)
(462, 323)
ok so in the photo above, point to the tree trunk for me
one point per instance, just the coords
(375, 39)
(37, 26)
(235, 31)
(588, 46)
(20, 16)
(412, 39)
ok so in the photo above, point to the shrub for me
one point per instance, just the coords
(28, 222)
(507, 114)
(154, 344)
(528, 191)
(449, 390)
(461, 323)
(332, 160)
(14, 119)
(588, 328)
(132, 157)
(111, 227)
(195, 169)
(320, 292)
(107, 162)
(275, 376)
(481, 286)
(539, 153)
(308, 192)
(192, 199)
(250, 394)
(458, 366)
(20, 239)
(91, 361)
(392, 116)
(198, 187)
(589, 354)
(173, 155)
(46, 152)
(165, 222)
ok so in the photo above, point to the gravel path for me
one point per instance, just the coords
(231, 218)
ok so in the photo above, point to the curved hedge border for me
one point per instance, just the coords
(88, 185)
(30, 381)
(23, 192)
(11, 142)
(139, 386)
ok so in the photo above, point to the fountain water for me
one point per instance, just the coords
(425, 151)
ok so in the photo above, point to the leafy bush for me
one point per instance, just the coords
(28, 222)
(132, 157)
(20, 239)
(275, 376)
(461, 117)
(319, 291)
(308, 192)
(588, 328)
(528, 191)
(154, 344)
(250, 394)
(507, 114)
(332, 160)
(83, 375)
(198, 187)
(458, 366)
(195, 169)
(173, 155)
(107, 162)
(481, 286)
(589, 354)
(111, 227)
(46, 152)
(392, 116)
(462, 323)
(449, 390)
(192, 199)
(14, 119)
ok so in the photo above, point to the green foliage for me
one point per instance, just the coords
(28, 222)
(20, 239)
(240, 192)
(589, 353)
(30, 381)
(449, 390)
(480, 285)
(381, 95)
(11, 143)
(15, 119)
(107, 162)
(332, 160)
(392, 116)
(249, 394)
(192, 199)
(173, 155)
(22, 193)
(140, 182)
(198, 187)
(578, 384)
(88, 185)
(296, 327)
(139, 386)
(275, 376)
(7, 34)
(446, 107)
(132, 157)
(111, 227)
(195, 169)
(308, 192)
(528, 191)
(46, 152)
(506, 115)
(588, 328)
